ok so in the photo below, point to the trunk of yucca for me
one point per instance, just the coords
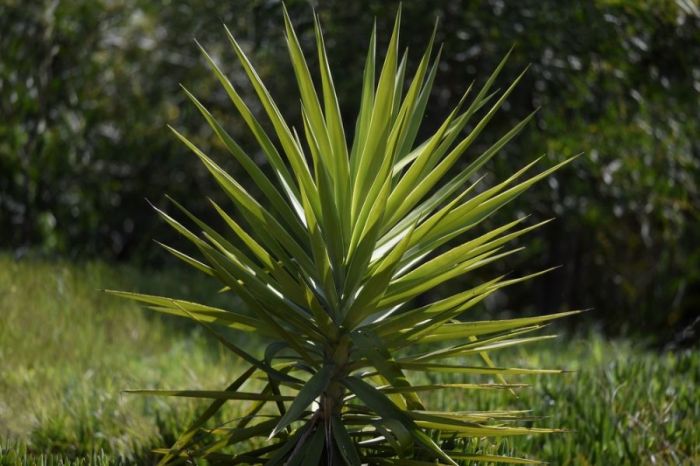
(331, 401)
(330, 404)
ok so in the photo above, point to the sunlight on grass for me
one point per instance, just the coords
(67, 350)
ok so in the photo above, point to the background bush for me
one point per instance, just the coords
(87, 87)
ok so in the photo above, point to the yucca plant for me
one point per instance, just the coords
(329, 262)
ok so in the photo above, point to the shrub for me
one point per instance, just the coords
(331, 261)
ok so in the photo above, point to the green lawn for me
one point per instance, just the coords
(67, 350)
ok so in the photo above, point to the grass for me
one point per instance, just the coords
(67, 350)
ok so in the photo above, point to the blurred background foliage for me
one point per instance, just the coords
(88, 86)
